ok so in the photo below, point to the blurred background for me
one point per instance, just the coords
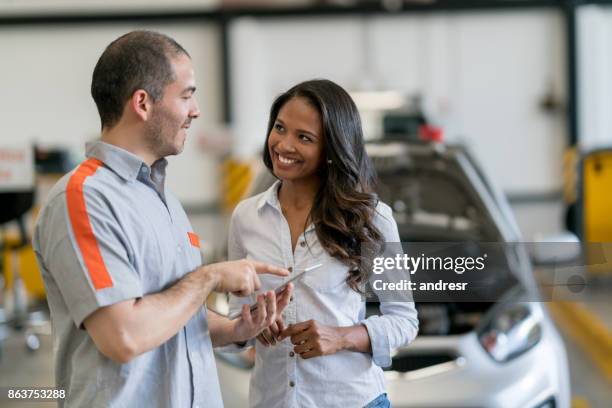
(522, 88)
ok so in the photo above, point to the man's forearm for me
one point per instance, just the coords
(159, 317)
(134, 327)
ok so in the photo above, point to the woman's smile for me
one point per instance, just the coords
(286, 161)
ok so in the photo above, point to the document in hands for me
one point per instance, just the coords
(278, 290)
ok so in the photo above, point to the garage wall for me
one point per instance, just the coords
(482, 76)
(595, 76)
(45, 77)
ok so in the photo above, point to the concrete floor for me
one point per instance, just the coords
(587, 382)
(22, 369)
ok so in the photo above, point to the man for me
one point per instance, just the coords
(120, 261)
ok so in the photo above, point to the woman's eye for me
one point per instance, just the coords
(278, 127)
(305, 138)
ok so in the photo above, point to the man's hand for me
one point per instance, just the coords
(313, 339)
(269, 308)
(239, 277)
(270, 335)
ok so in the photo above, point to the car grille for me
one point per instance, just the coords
(405, 363)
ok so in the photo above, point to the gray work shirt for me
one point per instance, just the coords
(111, 231)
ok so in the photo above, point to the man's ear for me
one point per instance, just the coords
(141, 104)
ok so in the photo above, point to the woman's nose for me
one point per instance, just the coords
(286, 145)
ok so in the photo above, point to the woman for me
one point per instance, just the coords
(321, 210)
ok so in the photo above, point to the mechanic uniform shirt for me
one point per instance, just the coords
(110, 232)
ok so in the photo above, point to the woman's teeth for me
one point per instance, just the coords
(285, 160)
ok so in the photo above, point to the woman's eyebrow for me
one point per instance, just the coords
(308, 132)
(311, 133)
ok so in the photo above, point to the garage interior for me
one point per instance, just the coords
(524, 87)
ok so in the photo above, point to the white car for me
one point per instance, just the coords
(506, 353)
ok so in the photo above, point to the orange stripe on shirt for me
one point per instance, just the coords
(81, 227)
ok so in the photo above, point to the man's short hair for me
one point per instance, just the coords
(136, 60)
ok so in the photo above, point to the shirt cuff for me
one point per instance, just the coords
(379, 340)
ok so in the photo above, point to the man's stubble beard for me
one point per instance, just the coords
(158, 127)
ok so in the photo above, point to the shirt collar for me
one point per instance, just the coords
(127, 165)
(158, 169)
(270, 197)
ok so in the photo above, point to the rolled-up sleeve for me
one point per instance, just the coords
(398, 324)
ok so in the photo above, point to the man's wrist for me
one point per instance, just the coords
(235, 335)
(209, 279)
(231, 334)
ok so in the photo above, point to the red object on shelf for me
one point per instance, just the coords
(428, 133)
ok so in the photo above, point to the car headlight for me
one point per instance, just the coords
(511, 331)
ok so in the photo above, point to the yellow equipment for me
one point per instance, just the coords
(596, 206)
(26, 265)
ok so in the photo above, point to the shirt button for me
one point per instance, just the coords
(291, 354)
(291, 299)
(290, 269)
(291, 384)
(302, 244)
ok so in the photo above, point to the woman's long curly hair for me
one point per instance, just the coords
(344, 207)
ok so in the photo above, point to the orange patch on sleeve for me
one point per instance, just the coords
(194, 239)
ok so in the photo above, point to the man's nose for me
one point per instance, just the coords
(195, 110)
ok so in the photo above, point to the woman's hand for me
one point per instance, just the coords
(313, 339)
(269, 308)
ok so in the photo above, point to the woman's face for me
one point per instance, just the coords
(296, 141)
